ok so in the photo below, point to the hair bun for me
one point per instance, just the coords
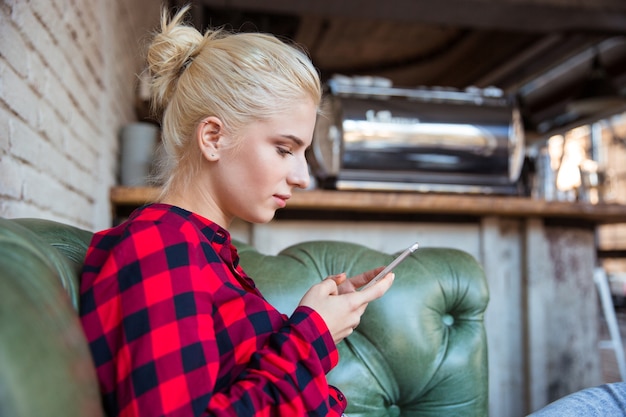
(170, 52)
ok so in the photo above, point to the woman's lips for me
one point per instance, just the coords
(281, 200)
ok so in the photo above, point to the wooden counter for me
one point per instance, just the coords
(403, 202)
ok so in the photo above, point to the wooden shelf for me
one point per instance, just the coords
(403, 202)
(133, 196)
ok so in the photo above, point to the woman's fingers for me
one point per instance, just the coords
(338, 278)
(342, 312)
(378, 289)
(365, 277)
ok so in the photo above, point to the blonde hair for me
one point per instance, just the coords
(238, 77)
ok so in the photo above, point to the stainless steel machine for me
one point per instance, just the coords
(421, 139)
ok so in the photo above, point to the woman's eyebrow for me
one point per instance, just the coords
(295, 139)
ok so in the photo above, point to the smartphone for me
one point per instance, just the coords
(392, 265)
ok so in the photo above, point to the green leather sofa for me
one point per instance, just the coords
(419, 351)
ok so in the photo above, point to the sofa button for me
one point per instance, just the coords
(447, 319)
(393, 411)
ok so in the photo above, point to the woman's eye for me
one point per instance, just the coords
(284, 151)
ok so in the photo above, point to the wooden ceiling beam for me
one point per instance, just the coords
(544, 16)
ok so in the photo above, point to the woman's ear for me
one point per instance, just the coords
(209, 134)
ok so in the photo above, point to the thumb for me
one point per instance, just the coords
(338, 278)
(330, 284)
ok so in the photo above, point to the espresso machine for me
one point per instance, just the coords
(380, 137)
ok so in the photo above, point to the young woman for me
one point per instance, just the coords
(176, 327)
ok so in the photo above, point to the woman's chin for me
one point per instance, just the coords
(261, 218)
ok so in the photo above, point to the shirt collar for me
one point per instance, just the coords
(219, 237)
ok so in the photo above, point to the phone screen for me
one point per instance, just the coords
(391, 266)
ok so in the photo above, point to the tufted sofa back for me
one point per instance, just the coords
(419, 351)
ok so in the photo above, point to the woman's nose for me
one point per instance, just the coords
(299, 176)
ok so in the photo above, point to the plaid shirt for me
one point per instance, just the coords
(176, 328)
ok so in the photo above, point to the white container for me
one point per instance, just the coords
(138, 144)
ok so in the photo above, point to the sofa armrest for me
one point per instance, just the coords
(420, 350)
(70, 245)
(46, 366)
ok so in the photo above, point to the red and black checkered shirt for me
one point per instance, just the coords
(176, 328)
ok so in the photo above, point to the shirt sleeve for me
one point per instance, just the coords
(150, 317)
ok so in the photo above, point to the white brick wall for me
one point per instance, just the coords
(68, 71)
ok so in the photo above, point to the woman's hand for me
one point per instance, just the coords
(345, 285)
(340, 305)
